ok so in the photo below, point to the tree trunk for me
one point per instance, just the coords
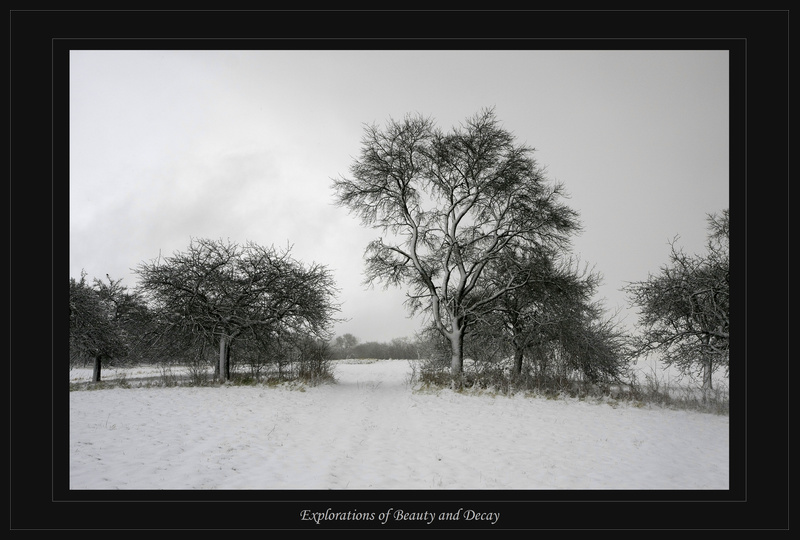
(519, 354)
(707, 386)
(97, 368)
(224, 373)
(228, 359)
(457, 347)
(707, 369)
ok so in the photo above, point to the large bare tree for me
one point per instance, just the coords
(448, 204)
(227, 291)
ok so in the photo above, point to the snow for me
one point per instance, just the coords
(375, 429)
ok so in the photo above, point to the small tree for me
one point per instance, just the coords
(227, 292)
(532, 313)
(553, 316)
(129, 313)
(94, 327)
(452, 203)
(684, 311)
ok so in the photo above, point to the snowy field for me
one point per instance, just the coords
(375, 430)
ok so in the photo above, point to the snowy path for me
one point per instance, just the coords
(376, 420)
(371, 430)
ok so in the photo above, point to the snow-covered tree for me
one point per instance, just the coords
(448, 204)
(226, 292)
(95, 329)
(685, 309)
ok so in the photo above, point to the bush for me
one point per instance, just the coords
(497, 377)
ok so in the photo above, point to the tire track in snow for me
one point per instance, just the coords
(379, 416)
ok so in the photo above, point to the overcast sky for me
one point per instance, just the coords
(166, 146)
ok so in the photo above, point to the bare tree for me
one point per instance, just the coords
(685, 309)
(553, 319)
(130, 314)
(450, 203)
(95, 331)
(227, 292)
(533, 314)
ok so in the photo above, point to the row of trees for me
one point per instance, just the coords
(477, 234)
(222, 295)
(348, 346)
(480, 238)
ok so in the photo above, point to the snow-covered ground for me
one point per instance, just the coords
(374, 430)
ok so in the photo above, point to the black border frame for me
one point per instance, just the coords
(38, 464)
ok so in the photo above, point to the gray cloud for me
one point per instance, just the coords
(168, 145)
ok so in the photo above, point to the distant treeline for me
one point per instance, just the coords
(348, 347)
